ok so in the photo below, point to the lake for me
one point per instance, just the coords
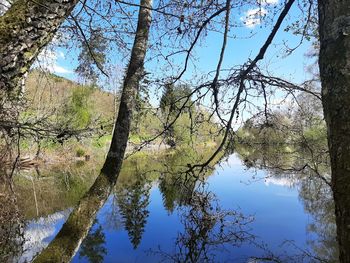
(157, 214)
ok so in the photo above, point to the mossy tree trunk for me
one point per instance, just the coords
(68, 240)
(132, 79)
(334, 62)
(24, 30)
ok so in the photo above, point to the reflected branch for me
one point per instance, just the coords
(207, 229)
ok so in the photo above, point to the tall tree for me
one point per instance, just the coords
(92, 53)
(172, 106)
(334, 62)
(64, 246)
(25, 29)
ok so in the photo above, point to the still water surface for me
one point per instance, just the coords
(234, 214)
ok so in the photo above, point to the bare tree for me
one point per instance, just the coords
(230, 91)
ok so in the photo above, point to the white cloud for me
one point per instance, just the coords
(61, 54)
(253, 17)
(269, 2)
(38, 232)
(289, 182)
(47, 60)
(59, 69)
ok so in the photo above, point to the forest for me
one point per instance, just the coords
(174, 131)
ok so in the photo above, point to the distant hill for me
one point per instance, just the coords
(69, 104)
(48, 92)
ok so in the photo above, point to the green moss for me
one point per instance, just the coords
(12, 19)
(28, 55)
(80, 152)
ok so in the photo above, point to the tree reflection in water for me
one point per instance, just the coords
(93, 247)
(176, 189)
(308, 169)
(11, 227)
(133, 200)
(317, 198)
(207, 227)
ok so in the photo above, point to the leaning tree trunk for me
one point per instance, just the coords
(334, 61)
(68, 240)
(24, 30)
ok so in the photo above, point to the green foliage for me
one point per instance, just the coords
(71, 106)
(174, 98)
(77, 110)
(93, 246)
(176, 103)
(316, 134)
(55, 78)
(134, 138)
(144, 120)
(285, 136)
(92, 57)
(191, 126)
(133, 201)
(24, 144)
(168, 98)
(100, 142)
(182, 130)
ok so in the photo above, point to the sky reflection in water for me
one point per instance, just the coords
(148, 221)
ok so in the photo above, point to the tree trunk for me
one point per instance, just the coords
(68, 240)
(334, 62)
(133, 76)
(24, 30)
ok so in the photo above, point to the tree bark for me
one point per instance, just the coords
(68, 240)
(24, 30)
(133, 76)
(334, 62)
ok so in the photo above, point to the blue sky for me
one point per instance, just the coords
(238, 50)
(292, 67)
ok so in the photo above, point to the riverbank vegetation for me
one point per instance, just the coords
(62, 120)
(294, 133)
(202, 96)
